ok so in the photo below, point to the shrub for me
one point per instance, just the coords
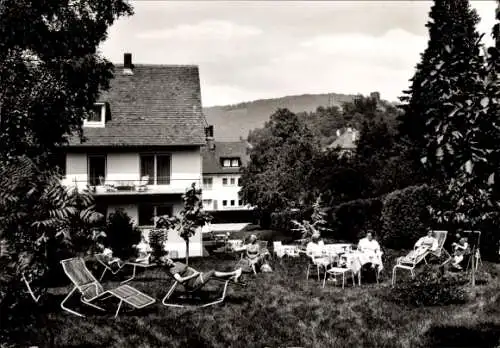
(351, 218)
(157, 238)
(282, 221)
(405, 216)
(122, 234)
(430, 288)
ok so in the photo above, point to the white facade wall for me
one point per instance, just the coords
(185, 169)
(125, 166)
(220, 193)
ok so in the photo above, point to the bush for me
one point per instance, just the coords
(157, 237)
(282, 221)
(122, 234)
(350, 219)
(405, 216)
(430, 288)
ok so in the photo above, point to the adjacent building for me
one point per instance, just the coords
(222, 162)
(142, 144)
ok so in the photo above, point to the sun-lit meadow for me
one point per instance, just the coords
(279, 309)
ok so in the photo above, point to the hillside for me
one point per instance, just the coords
(233, 121)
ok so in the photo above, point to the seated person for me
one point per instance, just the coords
(254, 256)
(193, 279)
(107, 256)
(315, 250)
(370, 248)
(459, 250)
(143, 251)
(424, 244)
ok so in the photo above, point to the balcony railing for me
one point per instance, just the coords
(125, 186)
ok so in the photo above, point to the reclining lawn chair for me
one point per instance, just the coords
(409, 262)
(108, 265)
(195, 294)
(92, 291)
(441, 237)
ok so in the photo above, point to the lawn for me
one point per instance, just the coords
(281, 309)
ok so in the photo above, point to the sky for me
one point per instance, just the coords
(248, 50)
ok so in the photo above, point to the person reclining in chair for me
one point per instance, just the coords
(424, 244)
(193, 279)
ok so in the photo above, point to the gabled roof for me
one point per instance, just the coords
(157, 105)
(212, 158)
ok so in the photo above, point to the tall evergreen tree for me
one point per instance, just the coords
(447, 74)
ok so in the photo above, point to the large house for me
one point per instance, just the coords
(142, 145)
(222, 162)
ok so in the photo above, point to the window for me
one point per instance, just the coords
(149, 212)
(240, 202)
(207, 183)
(146, 215)
(96, 116)
(207, 203)
(96, 169)
(230, 162)
(157, 167)
(224, 203)
(232, 202)
(239, 182)
(233, 181)
(224, 181)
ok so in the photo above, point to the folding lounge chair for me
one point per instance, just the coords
(441, 237)
(91, 290)
(107, 266)
(409, 263)
(193, 293)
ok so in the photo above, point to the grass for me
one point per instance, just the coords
(280, 309)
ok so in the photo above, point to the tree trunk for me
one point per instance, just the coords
(187, 251)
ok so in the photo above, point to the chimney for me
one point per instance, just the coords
(354, 136)
(209, 134)
(127, 64)
(338, 132)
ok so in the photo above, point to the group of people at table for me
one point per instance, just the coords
(255, 257)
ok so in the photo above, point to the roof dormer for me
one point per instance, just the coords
(230, 162)
(96, 116)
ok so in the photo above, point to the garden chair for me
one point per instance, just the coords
(343, 271)
(108, 266)
(92, 291)
(441, 237)
(316, 262)
(195, 294)
(281, 250)
(139, 262)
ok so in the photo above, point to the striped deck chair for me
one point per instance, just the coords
(92, 291)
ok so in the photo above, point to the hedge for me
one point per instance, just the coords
(405, 216)
(351, 219)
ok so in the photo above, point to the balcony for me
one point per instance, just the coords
(132, 185)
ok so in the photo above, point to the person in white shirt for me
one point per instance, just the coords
(315, 250)
(459, 250)
(143, 251)
(370, 248)
(425, 244)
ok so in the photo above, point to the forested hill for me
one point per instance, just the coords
(234, 121)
